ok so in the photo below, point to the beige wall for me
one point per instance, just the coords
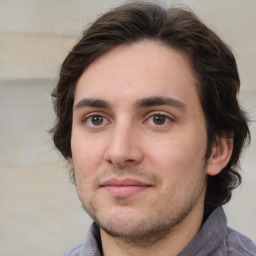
(39, 210)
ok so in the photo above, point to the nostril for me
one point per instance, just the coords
(109, 161)
(122, 154)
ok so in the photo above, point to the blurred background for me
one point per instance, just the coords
(39, 210)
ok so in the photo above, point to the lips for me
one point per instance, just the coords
(124, 188)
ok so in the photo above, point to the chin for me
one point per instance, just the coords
(129, 223)
(137, 231)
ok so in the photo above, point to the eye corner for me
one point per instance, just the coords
(159, 119)
(95, 120)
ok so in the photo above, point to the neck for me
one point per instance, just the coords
(172, 243)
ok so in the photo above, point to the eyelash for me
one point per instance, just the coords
(149, 119)
(88, 119)
(167, 119)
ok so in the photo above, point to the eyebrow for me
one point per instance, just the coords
(93, 103)
(158, 101)
(144, 102)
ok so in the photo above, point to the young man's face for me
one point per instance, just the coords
(139, 140)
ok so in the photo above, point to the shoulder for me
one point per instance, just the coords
(74, 251)
(238, 244)
(90, 247)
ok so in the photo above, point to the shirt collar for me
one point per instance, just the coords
(210, 236)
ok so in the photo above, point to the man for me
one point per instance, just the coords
(148, 118)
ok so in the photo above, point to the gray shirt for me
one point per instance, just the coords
(214, 238)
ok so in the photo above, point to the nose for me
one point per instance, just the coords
(124, 149)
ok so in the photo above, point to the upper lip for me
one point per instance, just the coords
(124, 182)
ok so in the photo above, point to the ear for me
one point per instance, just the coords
(220, 155)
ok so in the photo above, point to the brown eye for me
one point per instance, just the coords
(96, 120)
(159, 119)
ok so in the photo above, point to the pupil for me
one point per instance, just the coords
(97, 120)
(159, 120)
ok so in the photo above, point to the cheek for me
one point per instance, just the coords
(86, 156)
(85, 164)
(179, 154)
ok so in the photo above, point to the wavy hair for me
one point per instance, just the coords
(211, 60)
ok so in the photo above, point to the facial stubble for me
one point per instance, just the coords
(152, 227)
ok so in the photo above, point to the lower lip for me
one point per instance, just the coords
(125, 191)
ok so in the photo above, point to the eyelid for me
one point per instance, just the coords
(163, 113)
(160, 113)
(94, 113)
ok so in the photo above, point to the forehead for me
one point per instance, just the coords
(143, 69)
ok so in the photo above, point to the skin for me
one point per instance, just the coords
(137, 116)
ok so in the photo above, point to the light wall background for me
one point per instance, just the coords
(39, 210)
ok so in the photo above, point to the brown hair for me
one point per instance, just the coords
(213, 63)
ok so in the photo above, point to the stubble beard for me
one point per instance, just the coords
(153, 227)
